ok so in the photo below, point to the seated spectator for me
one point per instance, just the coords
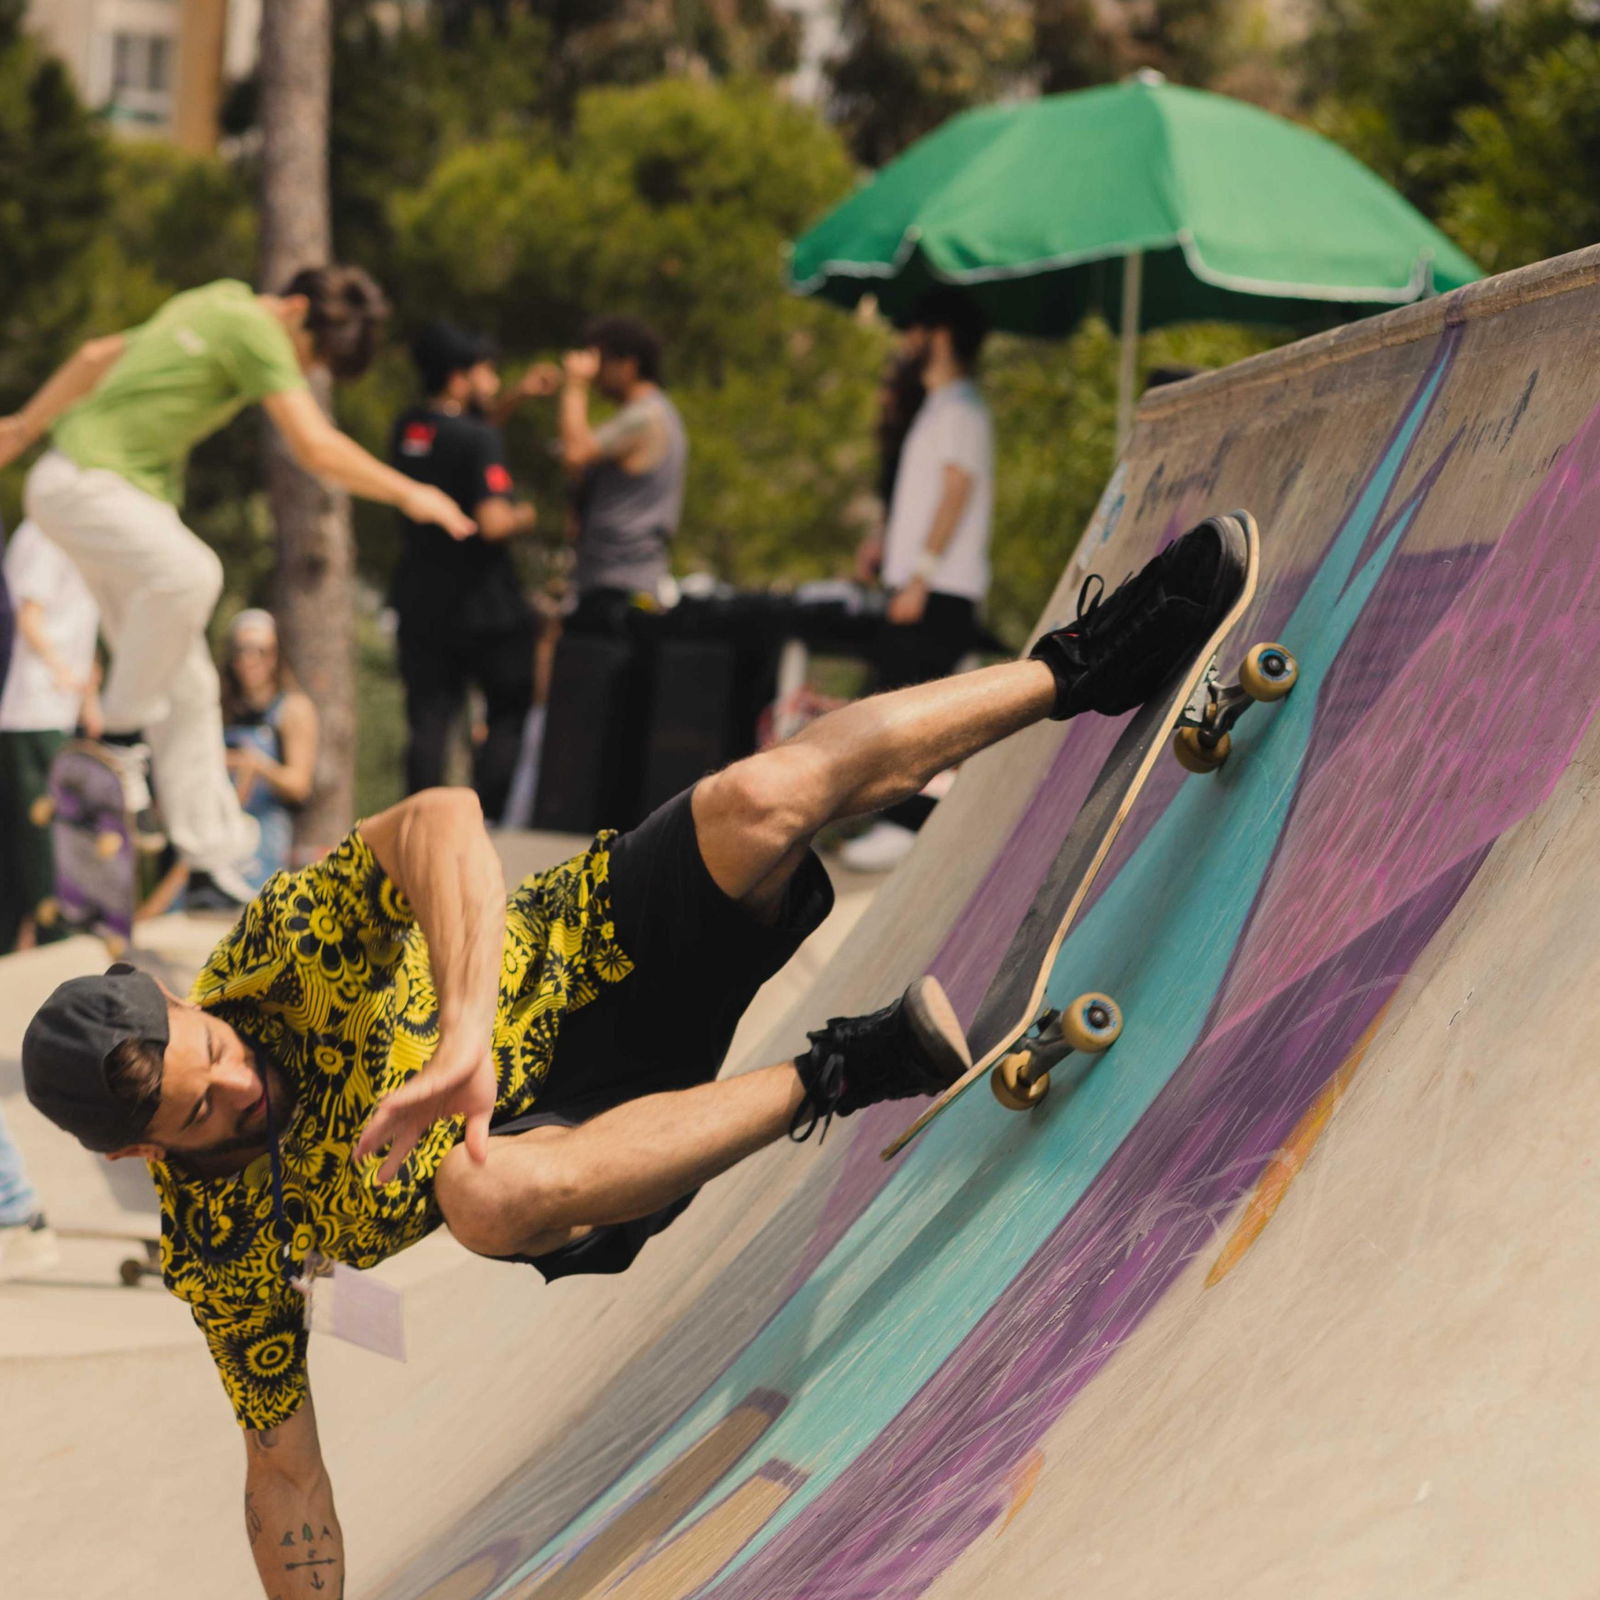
(270, 729)
(50, 690)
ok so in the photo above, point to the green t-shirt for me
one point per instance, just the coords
(199, 361)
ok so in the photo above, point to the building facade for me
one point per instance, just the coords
(156, 68)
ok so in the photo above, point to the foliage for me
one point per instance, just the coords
(904, 66)
(1430, 94)
(53, 202)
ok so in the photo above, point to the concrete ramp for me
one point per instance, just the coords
(1293, 1294)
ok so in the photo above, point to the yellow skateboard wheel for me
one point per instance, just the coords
(48, 912)
(41, 811)
(1012, 1086)
(1268, 672)
(1092, 1023)
(1194, 756)
(107, 844)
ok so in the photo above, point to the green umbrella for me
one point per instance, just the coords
(1144, 201)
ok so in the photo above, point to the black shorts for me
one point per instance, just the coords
(698, 960)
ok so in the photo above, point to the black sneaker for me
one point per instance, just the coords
(1123, 646)
(910, 1048)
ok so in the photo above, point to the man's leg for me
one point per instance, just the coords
(436, 688)
(755, 819)
(503, 665)
(543, 1189)
(154, 581)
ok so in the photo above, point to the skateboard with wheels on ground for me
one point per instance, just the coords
(1014, 1042)
(134, 1268)
(97, 857)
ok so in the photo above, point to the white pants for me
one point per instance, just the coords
(156, 584)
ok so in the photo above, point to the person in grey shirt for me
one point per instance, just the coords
(628, 473)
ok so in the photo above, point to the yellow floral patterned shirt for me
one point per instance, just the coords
(326, 972)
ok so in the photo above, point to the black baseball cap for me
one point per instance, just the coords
(65, 1048)
(441, 350)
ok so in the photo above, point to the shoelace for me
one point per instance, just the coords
(823, 1093)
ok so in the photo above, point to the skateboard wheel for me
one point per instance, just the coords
(116, 946)
(41, 811)
(1092, 1023)
(1012, 1085)
(47, 913)
(1193, 756)
(1268, 672)
(107, 844)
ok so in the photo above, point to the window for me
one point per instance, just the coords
(141, 62)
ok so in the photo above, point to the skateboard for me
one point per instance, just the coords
(134, 1268)
(1013, 1042)
(92, 836)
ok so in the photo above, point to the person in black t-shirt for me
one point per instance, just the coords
(464, 618)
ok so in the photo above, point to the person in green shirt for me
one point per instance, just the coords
(123, 414)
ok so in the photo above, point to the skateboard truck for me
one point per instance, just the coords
(1089, 1025)
(1202, 742)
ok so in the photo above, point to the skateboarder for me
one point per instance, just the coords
(123, 415)
(390, 1000)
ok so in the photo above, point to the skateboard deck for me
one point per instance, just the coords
(1201, 709)
(91, 833)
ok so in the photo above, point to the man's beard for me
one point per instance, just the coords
(235, 1153)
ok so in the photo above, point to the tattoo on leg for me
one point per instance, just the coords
(252, 1517)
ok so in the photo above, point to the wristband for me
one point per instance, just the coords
(927, 566)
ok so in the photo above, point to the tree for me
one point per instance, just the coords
(314, 589)
(1528, 165)
(905, 66)
(54, 198)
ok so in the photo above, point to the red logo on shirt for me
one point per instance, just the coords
(417, 440)
(498, 479)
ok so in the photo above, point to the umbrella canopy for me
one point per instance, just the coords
(1232, 213)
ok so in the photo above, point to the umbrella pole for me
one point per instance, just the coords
(1128, 367)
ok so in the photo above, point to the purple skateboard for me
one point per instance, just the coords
(97, 865)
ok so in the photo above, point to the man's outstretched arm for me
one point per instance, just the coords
(437, 852)
(288, 1512)
(74, 380)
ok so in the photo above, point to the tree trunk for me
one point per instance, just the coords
(314, 582)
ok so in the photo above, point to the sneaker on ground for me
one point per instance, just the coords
(910, 1048)
(882, 846)
(27, 1248)
(1124, 645)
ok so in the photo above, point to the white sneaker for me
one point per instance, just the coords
(27, 1248)
(882, 846)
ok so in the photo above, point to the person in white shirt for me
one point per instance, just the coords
(49, 691)
(934, 549)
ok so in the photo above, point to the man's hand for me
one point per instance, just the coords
(458, 1081)
(909, 603)
(540, 381)
(581, 367)
(424, 503)
(15, 437)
